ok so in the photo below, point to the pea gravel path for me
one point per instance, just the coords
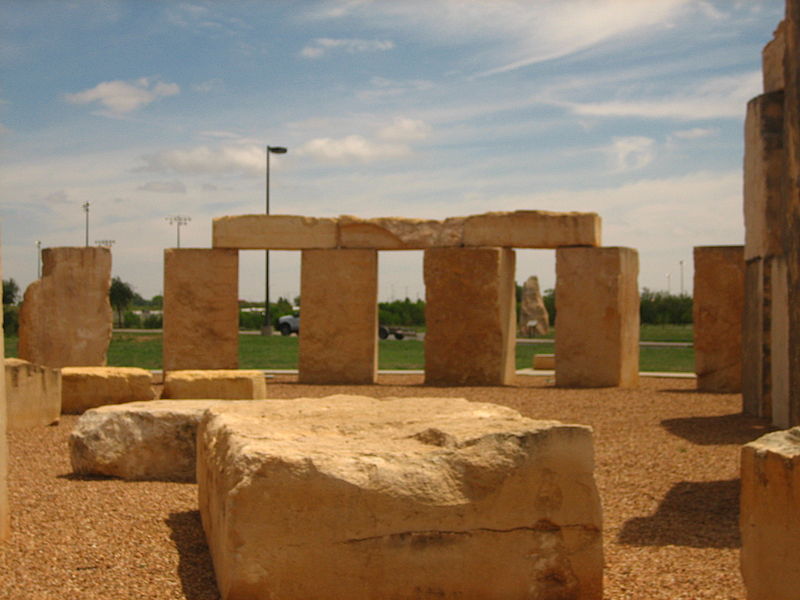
(667, 469)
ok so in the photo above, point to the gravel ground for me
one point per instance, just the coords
(667, 469)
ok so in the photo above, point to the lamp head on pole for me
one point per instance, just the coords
(277, 149)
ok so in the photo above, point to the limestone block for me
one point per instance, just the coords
(5, 516)
(532, 309)
(339, 339)
(597, 303)
(33, 394)
(138, 440)
(532, 229)
(221, 383)
(83, 388)
(772, 60)
(396, 233)
(764, 210)
(770, 516)
(201, 309)
(756, 334)
(274, 232)
(65, 318)
(782, 414)
(718, 311)
(358, 498)
(470, 316)
(544, 362)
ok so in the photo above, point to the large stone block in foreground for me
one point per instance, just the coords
(470, 316)
(357, 498)
(33, 394)
(770, 516)
(201, 309)
(83, 388)
(222, 383)
(65, 318)
(532, 229)
(718, 307)
(597, 303)
(274, 232)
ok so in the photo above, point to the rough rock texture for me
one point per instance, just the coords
(274, 232)
(532, 229)
(221, 383)
(65, 319)
(352, 497)
(83, 388)
(532, 308)
(201, 309)
(396, 233)
(545, 362)
(5, 517)
(33, 394)
(139, 440)
(779, 370)
(597, 301)
(718, 311)
(756, 336)
(770, 516)
(772, 57)
(469, 315)
(339, 340)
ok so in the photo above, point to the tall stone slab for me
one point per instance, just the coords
(718, 313)
(65, 319)
(5, 518)
(779, 370)
(201, 308)
(597, 329)
(772, 57)
(756, 334)
(470, 316)
(533, 310)
(339, 323)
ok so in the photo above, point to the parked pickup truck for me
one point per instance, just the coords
(290, 324)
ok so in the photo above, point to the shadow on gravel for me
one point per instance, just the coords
(717, 430)
(85, 477)
(195, 568)
(698, 514)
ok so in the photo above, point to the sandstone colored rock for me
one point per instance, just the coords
(469, 316)
(65, 318)
(274, 232)
(201, 309)
(138, 440)
(83, 388)
(779, 369)
(221, 383)
(533, 310)
(339, 331)
(5, 515)
(772, 57)
(718, 312)
(597, 303)
(770, 516)
(33, 394)
(532, 229)
(357, 498)
(756, 336)
(544, 362)
(396, 233)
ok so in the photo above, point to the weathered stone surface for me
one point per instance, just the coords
(5, 516)
(139, 440)
(770, 516)
(83, 388)
(532, 229)
(219, 383)
(470, 316)
(781, 411)
(339, 331)
(396, 233)
(764, 208)
(545, 362)
(201, 309)
(718, 313)
(532, 309)
(33, 394)
(65, 319)
(597, 303)
(756, 334)
(772, 57)
(352, 497)
(274, 232)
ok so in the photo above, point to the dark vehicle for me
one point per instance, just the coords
(290, 324)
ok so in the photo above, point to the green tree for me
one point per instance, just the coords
(120, 295)
(10, 291)
(10, 312)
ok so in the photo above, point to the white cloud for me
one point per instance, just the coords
(321, 46)
(351, 148)
(121, 97)
(631, 152)
(235, 159)
(404, 129)
(694, 133)
(163, 187)
(211, 85)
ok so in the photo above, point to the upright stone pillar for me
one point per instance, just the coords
(5, 520)
(470, 316)
(718, 309)
(339, 322)
(201, 308)
(597, 317)
(756, 335)
(779, 372)
(65, 318)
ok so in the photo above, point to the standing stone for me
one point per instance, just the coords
(532, 308)
(65, 318)
(718, 310)
(469, 315)
(33, 394)
(756, 332)
(780, 392)
(339, 323)
(5, 517)
(597, 302)
(201, 308)
(772, 57)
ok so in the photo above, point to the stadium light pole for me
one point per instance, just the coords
(266, 328)
(85, 207)
(38, 259)
(178, 220)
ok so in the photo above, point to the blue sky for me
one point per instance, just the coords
(629, 108)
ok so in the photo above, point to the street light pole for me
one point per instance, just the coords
(178, 220)
(266, 328)
(681, 278)
(85, 207)
(38, 259)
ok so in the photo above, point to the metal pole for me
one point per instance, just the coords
(267, 326)
(681, 278)
(38, 259)
(179, 233)
(85, 206)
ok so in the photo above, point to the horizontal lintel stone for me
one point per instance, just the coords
(274, 232)
(532, 229)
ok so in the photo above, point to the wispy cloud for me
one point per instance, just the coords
(232, 159)
(322, 46)
(352, 148)
(163, 187)
(631, 153)
(694, 133)
(405, 129)
(122, 97)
